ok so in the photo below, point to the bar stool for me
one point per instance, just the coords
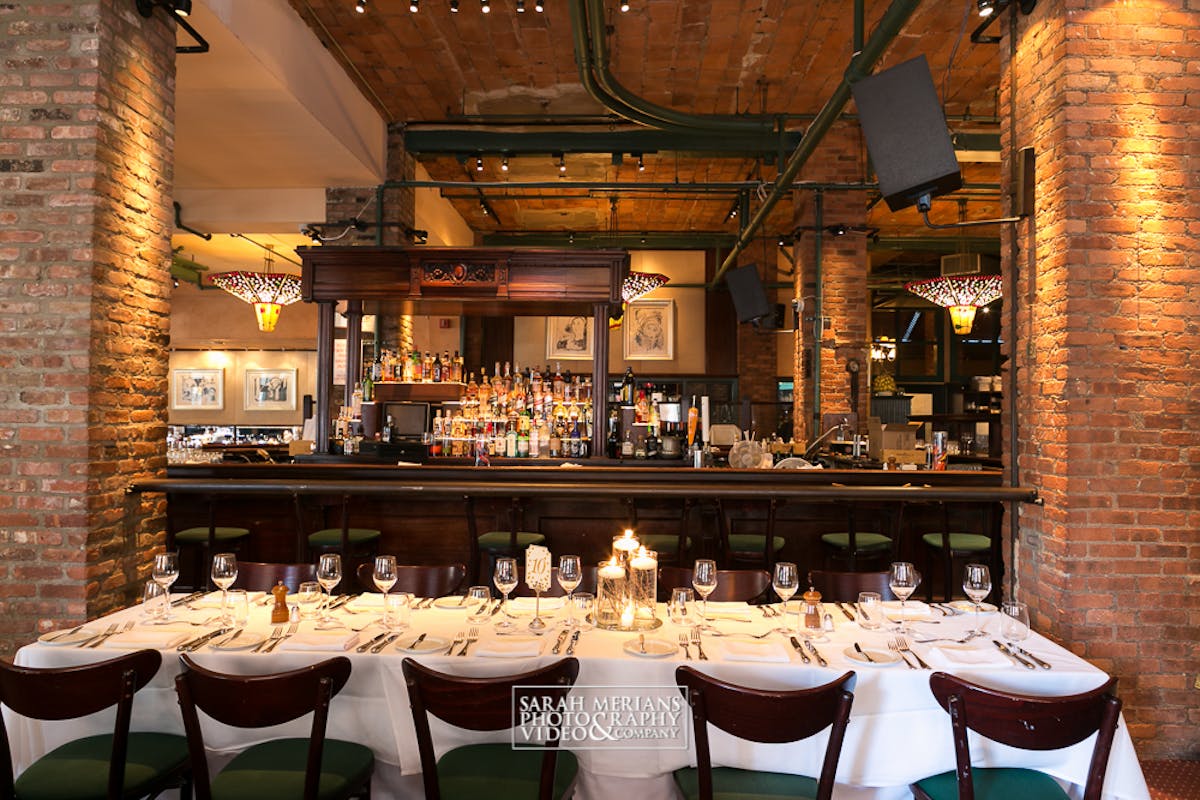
(202, 540)
(342, 538)
(670, 547)
(855, 543)
(760, 549)
(947, 545)
(498, 543)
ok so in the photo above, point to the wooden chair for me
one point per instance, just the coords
(1023, 721)
(760, 549)
(420, 581)
(946, 544)
(337, 538)
(766, 716)
(732, 584)
(845, 586)
(202, 540)
(486, 704)
(496, 543)
(288, 769)
(261, 576)
(588, 584)
(114, 765)
(670, 547)
(870, 534)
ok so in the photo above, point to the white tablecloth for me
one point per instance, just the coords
(897, 732)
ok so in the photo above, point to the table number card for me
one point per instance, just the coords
(537, 568)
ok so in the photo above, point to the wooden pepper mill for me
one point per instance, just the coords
(812, 609)
(279, 612)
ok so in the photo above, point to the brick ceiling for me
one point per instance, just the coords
(703, 57)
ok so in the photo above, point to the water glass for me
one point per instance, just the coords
(870, 610)
(680, 606)
(308, 599)
(1014, 624)
(479, 598)
(397, 611)
(153, 604)
(236, 607)
(584, 606)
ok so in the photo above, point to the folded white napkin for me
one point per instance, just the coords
(320, 640)
(753, 651)
(965, 656)
(912, 609)
(508, 648)
(155, 639)
(738, 612)
(210, 600)
(367, 600)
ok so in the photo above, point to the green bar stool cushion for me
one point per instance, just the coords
(960, 542)
(494, 542)
(78, 770)
(999, 783)
(276, 770)
(199, 535)
(332, 537)
(752, 543)
(498, 772)
(742, 784)
(666, 542)
(865, 542)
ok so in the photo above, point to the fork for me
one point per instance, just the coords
(275, 634)
(109, 631)
(683, 642)
(472, 637)
(902, 644)
(763, 635)
(291, 631)
(128, 626)
(458, 639)
(699, 647)
(895, 648)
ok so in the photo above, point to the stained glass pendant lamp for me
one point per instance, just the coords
(962, 295)
(635, 285)
(267, 291)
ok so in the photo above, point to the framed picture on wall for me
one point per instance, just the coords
(649, 327)
(198, 389)
(270, 390)
(569, 337)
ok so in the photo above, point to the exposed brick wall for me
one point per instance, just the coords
(86, 136)
(1107, 342)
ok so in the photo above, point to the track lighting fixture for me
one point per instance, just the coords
(837, 230)
(562, 165)
(360, 6)
(538, 6)
(182, 8)
(504, 163)
(733, 213)
(520, 6)
(571, 237)
(479, 163)
(641, 163)
(485, 6)
(454, 6)
(483, 207)
(986, 7)
(414, 6)
(624, 6)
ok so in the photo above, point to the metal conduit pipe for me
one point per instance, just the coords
(890, 25)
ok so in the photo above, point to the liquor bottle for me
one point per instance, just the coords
(543, 438)
(427, 367)
(386, 435)
(436, 377)
(626, 395)
(627, 445)
(418, 368)
(614, 438)
(484, 391)
(558, 385)
(651, 443)
(368, 388)
(456, 368)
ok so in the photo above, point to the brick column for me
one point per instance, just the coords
(86, 135)
(1106, 341)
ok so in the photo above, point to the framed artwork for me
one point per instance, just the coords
(649, 327)
(270, 390)
(569, 337)
(198, 389)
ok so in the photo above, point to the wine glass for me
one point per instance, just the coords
(977, 583)
(385, 576)
(505, 578)
(904, 580)
(224, 573)
(786, 582)
(1014, 625)
(570, 575)
(165, 573)
(704, 581)
(329, 575)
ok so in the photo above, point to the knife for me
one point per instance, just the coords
(574, 640)
(496, 610)
(562, 637)
(379, 647)
(196, 644)
(1013, 656)
(845, 611)
(362, 648)
(799, 649)
(863, 653)
(416, 642)
(1032, 657)
(227, 640)
(820, 659)
(187, 598)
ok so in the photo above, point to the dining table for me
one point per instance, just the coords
(630, 728)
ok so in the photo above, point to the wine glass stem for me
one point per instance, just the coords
(387, 611)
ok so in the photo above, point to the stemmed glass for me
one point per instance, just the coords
(385, 578)
(977, 583)
(166, 571)
(1014, 625)
(224, 573)
(505, 578)
(786, 583)
(904, 580)
(570, 575)
(329, 575)
(704, 581)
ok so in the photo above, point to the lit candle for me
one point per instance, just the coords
(627, 542)
(612, 571)
(627, 617)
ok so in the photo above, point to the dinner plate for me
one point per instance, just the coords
(456, 602)
(243, 642)
(655, 648)
(67, 637)
(967, 607)
(525, 605)
(430, 644)
(880, 658)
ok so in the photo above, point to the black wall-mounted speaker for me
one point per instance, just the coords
(906, 132)
(749, 296)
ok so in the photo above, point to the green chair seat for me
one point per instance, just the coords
(497, 541)
(997, 783)
(332, 537)
(665, 542)
(960, 542)
(741, 784)
(498, 772)
(865, 542)
(752, 543)
(276, 770)
(199, 535)
(78, 770)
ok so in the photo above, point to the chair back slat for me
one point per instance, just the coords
(844, 587)
(732, 584)
(258, 701)
(437, 580)
(260, 576)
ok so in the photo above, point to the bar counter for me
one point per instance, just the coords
(427, 514)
